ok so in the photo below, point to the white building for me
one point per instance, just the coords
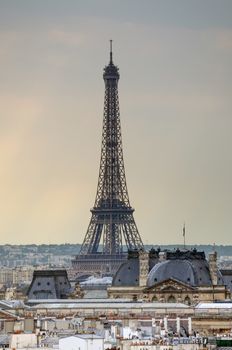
(82, 342)
(21, 341)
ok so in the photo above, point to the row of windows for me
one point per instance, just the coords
(172, 299)
(48, 283)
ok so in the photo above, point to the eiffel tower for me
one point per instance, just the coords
(112, 223)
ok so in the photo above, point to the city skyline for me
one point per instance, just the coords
(175, 106)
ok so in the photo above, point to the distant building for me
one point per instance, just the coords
(23, 274)
(16, 275)
(6, 275)
(49, 284)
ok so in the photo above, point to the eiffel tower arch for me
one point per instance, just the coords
(112, 224)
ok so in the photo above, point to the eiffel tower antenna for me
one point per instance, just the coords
(111, 52)
(112, 223)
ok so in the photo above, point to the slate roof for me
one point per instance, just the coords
(188, 266)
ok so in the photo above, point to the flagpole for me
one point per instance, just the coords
(184, 235)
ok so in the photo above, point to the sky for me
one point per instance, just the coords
(175, 93)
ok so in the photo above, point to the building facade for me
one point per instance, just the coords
(170, 276)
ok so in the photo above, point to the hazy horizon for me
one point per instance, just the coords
(175, 87)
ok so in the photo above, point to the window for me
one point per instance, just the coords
(171, 299)
(187, 300)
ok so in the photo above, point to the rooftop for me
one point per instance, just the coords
(107, 304)
(226, 305)
(88, 336)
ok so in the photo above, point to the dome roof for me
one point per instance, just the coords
(190, 267)
(194, 272)
(127, 274)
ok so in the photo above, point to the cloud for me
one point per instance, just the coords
(223, 39)
(66, 37)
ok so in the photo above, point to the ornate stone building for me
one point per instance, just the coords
(170, 276)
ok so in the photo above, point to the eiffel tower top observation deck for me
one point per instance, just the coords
(112, 223)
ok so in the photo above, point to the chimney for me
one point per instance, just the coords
(162, 256)
(213, 267)
(143, 267)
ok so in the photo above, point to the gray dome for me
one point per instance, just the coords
(181, 270)
(127, 274)
(194, 272)
(201, 268)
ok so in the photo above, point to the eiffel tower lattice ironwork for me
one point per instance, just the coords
(112, 223)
